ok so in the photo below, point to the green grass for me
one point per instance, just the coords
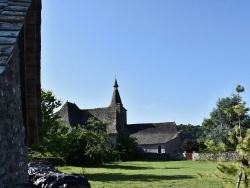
(150, 174)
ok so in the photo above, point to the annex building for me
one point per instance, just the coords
(151, 137)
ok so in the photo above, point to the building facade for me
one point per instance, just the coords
(151, 137)
(115, 115)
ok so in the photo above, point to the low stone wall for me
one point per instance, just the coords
(227, 156)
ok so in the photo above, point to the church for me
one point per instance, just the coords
(151, 137)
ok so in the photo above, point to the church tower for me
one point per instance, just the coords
(121, 112)
(116, 99)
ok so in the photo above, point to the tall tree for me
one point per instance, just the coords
(50, 119)
(229, 112)
(239, 109)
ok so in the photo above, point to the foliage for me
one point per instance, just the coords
(56, 141)
(240, 167)
(220, 135)
(127, 147)
(91, 143)
(208, 123)
(57, 138)
(190, 145)
(229, 112)
(244, 144)
(50, 119)
(213, 147)
(191, 132)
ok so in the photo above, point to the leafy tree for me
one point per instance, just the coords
(208, 123)
(219, 135)
(91, 142)
(223, 115)
(229, 111)
(127, 147)
(191, 132)
(57, 138)
(229, 123)
(190, 145)
(242, 167)
(215, 148)
(50, 119)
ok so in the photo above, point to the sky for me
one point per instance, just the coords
(173, 59)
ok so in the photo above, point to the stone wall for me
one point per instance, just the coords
(227, 156)
(13, 152)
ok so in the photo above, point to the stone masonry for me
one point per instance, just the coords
(13, 152)
(20, 87)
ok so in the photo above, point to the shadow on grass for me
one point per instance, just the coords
(173, 168)
(106, 177)
(124, 167)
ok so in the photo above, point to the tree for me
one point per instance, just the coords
(240, 108)
(223, 115)
(229, 111)
(231, 118)
(50, 119)
(191, 132)
(190, 145)
(241, 167)
(92, 144)
(57, 138)
(127, 147)
(208, 123)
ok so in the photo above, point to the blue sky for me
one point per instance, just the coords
(173, 59)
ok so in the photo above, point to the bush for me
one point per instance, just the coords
(190, 145)
(127, 147)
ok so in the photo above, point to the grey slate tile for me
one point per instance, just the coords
(9, 33)
(13, 13)
(6, 49)
(10, 26)
(17, 8)
(19, 4)
(4, 18)
(7, 40)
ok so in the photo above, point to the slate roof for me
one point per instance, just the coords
(153, 133)
(72, 115)
(12, 15)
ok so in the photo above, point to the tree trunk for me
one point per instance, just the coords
(246, 181)
(239, 180)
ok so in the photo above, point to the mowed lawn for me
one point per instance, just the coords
(150, 174)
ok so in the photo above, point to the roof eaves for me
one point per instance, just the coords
(12, 15)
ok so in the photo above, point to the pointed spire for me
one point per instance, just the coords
(116, 99)
(115, 84)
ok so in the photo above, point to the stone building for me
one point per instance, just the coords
(115, 114)
(151, 137)
(20, 111)
(157, 137)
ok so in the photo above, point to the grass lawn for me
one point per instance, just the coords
(150, 174)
